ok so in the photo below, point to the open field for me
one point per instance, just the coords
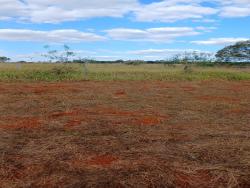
(125, 133)
(100, 72)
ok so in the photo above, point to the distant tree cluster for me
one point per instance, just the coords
(192, 57)
(4, 59)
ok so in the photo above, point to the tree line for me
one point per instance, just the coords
(237, 53)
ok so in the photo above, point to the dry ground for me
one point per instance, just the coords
(125, 134)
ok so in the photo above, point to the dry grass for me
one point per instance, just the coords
(108, 72)
(125, 134)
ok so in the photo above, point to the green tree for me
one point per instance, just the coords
(4, 59)
(239, 52)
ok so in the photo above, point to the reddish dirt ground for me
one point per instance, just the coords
(125, 134)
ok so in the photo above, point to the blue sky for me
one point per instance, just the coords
(121, 29)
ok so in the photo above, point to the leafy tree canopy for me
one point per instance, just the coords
(237, 52)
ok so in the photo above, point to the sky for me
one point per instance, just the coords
(121, 29)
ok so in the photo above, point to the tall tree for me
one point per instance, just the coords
(239, 52)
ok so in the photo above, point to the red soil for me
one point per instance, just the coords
(118, 116)
(20, 123)
(192, 180)
(98, 110)
(85, 120)
(188, 88)
(63, 114)
(238, 111)
(112, 111)
(165, 85)
(120, 93)
(218, 99)
(45, 88)
(102, 160)
(72, 123)
(148, 120)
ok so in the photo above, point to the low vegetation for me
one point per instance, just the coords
(74, 71)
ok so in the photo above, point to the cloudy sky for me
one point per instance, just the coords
(121, 29)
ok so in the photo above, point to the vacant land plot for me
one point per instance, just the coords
(124, 133)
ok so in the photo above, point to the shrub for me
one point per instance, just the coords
(135, 62)
(62, 70)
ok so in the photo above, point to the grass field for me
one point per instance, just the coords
(127, 126)
(59, 72)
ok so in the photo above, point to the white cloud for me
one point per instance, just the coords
(234, 8)
(56, 11)
(174, 10)
(11, 8)
(233, 2)
(219, 41)
(205, 20)
(205, 29)
(171, 11)
(57, 36)
(231, 11)
(162, 34)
